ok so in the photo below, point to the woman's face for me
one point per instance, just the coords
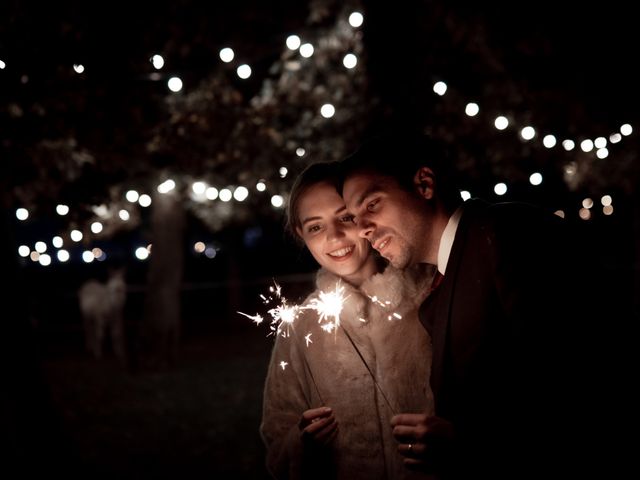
(331, 236)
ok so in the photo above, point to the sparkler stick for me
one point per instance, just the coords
(369, 370)
(306, 363)
(330, 305)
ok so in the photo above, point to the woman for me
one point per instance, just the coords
(329, 396)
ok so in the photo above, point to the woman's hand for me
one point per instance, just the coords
(318, 426)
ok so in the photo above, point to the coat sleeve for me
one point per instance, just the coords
(286, 397)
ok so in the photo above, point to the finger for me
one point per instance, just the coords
(408, 419)
(404, 434)
(411, 449)
(413, 462)
(312, 415)
(315, 427)
(315, 413)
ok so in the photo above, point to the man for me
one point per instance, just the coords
(507, 320)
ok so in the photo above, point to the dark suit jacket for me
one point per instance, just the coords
(508, 330)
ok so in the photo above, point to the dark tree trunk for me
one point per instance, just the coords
(160, 333)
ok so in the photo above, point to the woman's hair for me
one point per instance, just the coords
(325, 172)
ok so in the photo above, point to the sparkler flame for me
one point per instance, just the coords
(329, 305)
(282, 316)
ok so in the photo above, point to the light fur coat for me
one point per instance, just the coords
(329, 372)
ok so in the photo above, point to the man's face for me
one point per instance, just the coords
(395, 221)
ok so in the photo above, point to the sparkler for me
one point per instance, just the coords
(283, 316)
(328, 306)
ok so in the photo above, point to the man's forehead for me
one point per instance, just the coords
(368, 179)
(361, 185)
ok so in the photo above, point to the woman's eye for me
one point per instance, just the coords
(347, 218)
(313, 228)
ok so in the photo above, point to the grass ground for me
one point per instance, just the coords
(197, 419)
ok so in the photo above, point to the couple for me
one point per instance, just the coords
(490, 382)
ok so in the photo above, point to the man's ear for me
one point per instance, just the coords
(424, 182)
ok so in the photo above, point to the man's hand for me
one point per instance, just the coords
(424, 440)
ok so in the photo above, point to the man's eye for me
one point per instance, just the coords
(371, 206)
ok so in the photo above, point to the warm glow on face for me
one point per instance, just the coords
(329, 233)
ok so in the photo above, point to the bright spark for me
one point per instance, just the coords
(385, 304)
(329, 306)
(283, 317)
(283, 364)
(257, 318)
(307, 338)
(377, 301)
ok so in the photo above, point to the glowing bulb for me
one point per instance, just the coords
(293, 42)
(277, 201)
(132, 196)
(549, 141)
(586, 145)
(327, 110)
(350, 60)
(144, 200)
(62, 210)
(471, 109)
(500, 188)
(440, 88)
(240, 194)
(306, 50)
(356, 19)
(175, 84)
(22, 214)
(244, 71)
(535, 178)
(528, 132)
(226, 55)
(157, 61)
(501, 122)
(225, 195)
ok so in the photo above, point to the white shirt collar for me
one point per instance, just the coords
(446, 241)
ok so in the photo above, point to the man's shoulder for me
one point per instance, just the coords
(510, 214)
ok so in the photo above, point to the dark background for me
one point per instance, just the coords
(566, 70)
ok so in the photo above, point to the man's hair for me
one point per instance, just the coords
(399, 156)
(319, 172)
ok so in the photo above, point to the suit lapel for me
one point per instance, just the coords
(441, 309)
